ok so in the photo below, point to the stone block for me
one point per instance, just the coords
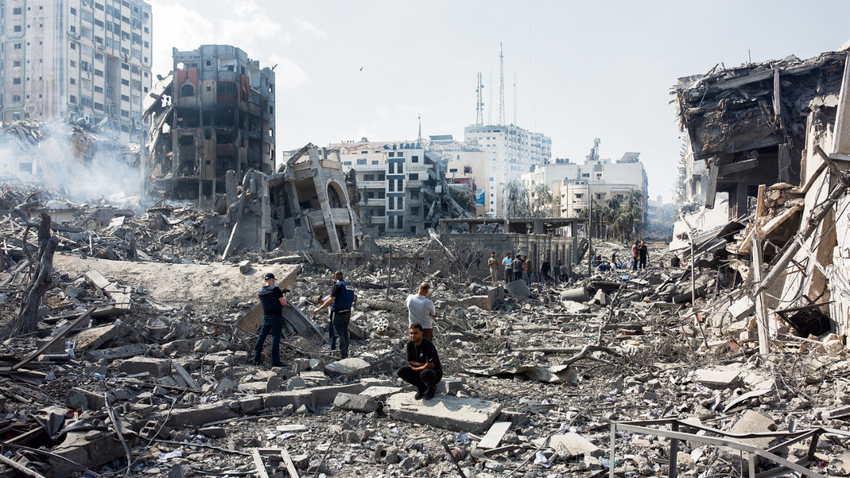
(80, 399)
(245, 266)
(85, 448)
(282, 399)
(117, 353)
(314, 379)
(717, 379)
(480, 301)
(273, 384)
(380, 393)
(355, 331)
(742, 308)
(443, 411)
(294, 383)
(155, 366)
(200, 415)
(350, 367)
(518, 288)
(93, 338)
(516, 418)
(355, 403)
(323, 396)
(601, 298)
(450, 386)
(250, 405)
(213, 432)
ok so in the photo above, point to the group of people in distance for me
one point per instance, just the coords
(423, 370)
(522, 268)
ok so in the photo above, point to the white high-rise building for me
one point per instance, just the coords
(76, 59)
(510, 152)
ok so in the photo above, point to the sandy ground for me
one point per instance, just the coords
(174, 284)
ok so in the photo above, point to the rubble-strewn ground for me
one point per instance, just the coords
(166, 349)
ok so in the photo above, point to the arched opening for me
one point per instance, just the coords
(336, 196)
(187, 90)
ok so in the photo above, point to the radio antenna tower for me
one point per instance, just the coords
(501, 86)
(479, 106)
(490, 110)
(515, 122)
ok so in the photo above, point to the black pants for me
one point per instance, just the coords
(420, 380)
(340, 319)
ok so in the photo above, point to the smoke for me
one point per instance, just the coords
(72, 161)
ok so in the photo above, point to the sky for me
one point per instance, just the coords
(584, 70)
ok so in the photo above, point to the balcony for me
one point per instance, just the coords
(382, 185)
(376, 202)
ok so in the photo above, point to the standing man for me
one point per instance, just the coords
(528, 267)
(643, 253)
(341, 300)
(506, 262)
(635, 255)
(273, 301)
(421, 311)
(516, 267)
(544, 270)
(494, 268)
(423, 370)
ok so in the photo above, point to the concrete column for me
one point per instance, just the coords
(230, 186)
(322, 193)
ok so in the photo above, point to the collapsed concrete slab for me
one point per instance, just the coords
(350, 367)
(355, 403)
(452, 413)
(154, 366)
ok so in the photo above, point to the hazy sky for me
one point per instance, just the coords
(585, 70)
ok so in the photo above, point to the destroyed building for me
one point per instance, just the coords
(214, 113)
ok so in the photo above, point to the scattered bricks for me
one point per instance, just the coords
(245, 267)
(213, 432)
(452, 413)
(80, 399)
(205, 413)
(355, 403)
(355, 331)
(93, 338)
(156, 367)
(385, 453)
(302, 462)
(350, 367)
(380, 393)
(117, 353)
(717, 379)
(300, 365)
(153, 429)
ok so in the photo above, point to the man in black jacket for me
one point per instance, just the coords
(273, 303)
(423, 370)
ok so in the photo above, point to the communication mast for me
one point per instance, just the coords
(501, 86)
(479, 106)
(490, 111)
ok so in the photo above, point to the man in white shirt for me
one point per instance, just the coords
(421, 310)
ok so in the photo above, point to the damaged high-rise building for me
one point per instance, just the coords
(213, 114)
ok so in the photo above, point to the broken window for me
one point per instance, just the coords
(414, 194)
(187, 90)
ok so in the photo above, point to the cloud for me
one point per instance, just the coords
(288, 74)
(305, 26)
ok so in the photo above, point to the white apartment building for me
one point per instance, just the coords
(391, 177)
(510, 152)
(572, 184)
(76, 59)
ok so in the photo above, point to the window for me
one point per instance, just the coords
(413, 177)
(98, 89)
(382, 195)
(17, 99)
(392, 155)
(98, 23)
(414, 211)
(125, 66)
(25, 168)
(16, 63)
(585, 175)
(391, 186)
(98, 6)
(401, 184)
(361, 162)
(370, 195)
(400, 154)
(414, 159)
(368, 177)
(400, 222)
(381, 177)
(98, 73)
(72, 99)
(400, 167)
(346, 163)
(125, 113)
(400, 203)
(16, 28)
(579, 196)
(17, 46)
(413, 229)
(73, 64)
(391, 168)
(185, 90)
(391, 206)
(374, 161)
(147, 45)
(73, 29)
(73, 81)
(98, 57)
(414, 194)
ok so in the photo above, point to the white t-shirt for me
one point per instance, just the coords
(421, 310)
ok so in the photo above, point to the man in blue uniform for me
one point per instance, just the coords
(273, 303)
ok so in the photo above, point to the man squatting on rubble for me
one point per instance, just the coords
(273, 301)
(341, 300)
(421, 311)
(423, 370)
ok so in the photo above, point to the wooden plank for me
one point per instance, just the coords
(185, 375)
(761, 310)
(494, 435)
(738, 167)
(711, 190)
(54, 339)
(287, 460)
(258, 463)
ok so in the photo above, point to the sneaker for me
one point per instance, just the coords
(430, 393)
(420, 394)
(278, 364)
